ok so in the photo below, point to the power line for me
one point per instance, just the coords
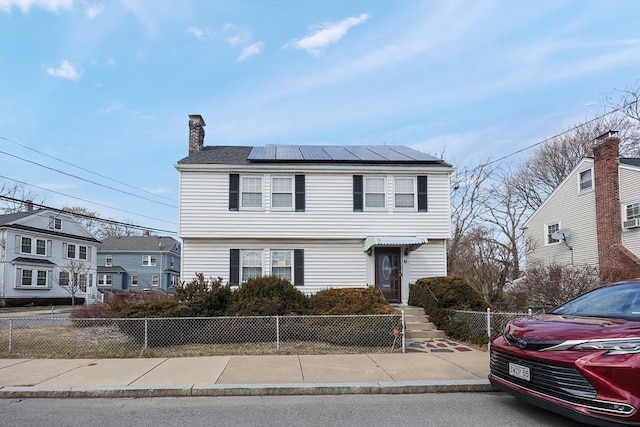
(83, 200)
(557, 135)
(86, 170)
(95, 218)
(86, 180)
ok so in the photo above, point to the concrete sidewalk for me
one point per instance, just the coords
(395, 373)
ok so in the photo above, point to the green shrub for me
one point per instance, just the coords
(441, 297)
(268, 296)
(350, 301)
(205, 298)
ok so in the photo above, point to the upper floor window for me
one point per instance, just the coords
(251, 192)
(282, 264)
(108, 260)
(26, 245)
(55, 223)
(586, 180)
(149, 260)
(30, 245)
(77, 251)
(374, 192)
(41, 247)
(633, 211)
(550, 229)
(250, 264)
(405, 192)
(282, 192)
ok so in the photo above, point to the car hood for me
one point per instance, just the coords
(561, 327)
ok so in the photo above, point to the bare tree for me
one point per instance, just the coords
(15, 196)
(99, 227)
(547, 286)
(73, 278)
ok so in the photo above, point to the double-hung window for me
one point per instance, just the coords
(633, 211)
(33, 278)
(251, 192)
(71, 251)
(41, 247)
(149, 260)
(63, 278)
(26, 245)
(282, 264)
(134, 280)
(405, 193)
(585, 180)
(282, 192)
(550, 229)
(251, 264)
(374, 192)
(27, 277)
(108, 260)
(55, 223)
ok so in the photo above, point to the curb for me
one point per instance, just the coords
(301, 389)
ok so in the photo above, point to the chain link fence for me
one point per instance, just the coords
(61, 337)
(482, 326)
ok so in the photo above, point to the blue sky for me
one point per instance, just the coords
(108, 85)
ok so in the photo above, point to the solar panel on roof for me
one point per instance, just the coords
(262, 153)
(414, 154)
(314, 152)
(288, 152)
(365, 154)
(339, 153)
(390, 154)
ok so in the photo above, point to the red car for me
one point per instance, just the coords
(581, 360)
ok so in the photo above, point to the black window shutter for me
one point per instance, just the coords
(234, 191)
(234, 267)
(300, 193)
(422, 193)
(357, 193)
(298, 267)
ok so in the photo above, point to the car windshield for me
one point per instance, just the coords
(617, 301)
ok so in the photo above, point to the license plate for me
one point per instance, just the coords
(519, 371)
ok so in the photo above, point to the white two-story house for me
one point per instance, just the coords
(593, 216)
(320, 216)
(37, 248)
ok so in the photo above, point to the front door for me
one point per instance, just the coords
(389, 273)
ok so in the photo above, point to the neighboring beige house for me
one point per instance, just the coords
(593, 216)
(320, 216)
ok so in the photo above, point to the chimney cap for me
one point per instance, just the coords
(196, 119)
(607, 134)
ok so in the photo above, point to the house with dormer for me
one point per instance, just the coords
(593, 216)
(319, 216)
(45, 257)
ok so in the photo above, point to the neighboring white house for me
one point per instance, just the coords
(593, 216)
(36, 249)
(320, 216)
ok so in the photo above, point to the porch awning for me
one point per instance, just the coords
(412, 242)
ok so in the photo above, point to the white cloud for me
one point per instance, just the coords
(197, 33)
(66, 70)
(239, 39)
(251, 50)
(157, 190)
(328, 34)
(26, 5)
(94, 10)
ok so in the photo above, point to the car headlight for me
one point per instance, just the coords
(614, 346)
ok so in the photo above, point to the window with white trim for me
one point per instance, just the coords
(282, 192)
(108, 260)
(41, 247)
(55, 223)
(374, 192)
(585, 180)
(155, 280)
(149, 260)
(282, 264)
(633, 211)
(550, 229)
(63, 278)
(73, 251)
(251, 192)
(405, 192)
(250, 264)
(28, 278)
(82, 282)
(105, 280)
(134, 280)
(25, 247)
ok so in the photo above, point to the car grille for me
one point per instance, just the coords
(553, 380)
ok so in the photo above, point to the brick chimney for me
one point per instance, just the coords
(615, 262)
(196, 132)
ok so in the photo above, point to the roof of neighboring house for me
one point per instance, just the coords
(364, 154)
(26, 260)
(8, 220)
(630, 161)
(137, 244)
(114, 269)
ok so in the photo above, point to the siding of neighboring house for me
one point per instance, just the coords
(630, 194)
(574, 210)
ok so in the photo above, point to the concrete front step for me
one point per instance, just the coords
(418, 324)
(434, 333)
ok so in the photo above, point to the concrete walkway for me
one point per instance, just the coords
(416, 372)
